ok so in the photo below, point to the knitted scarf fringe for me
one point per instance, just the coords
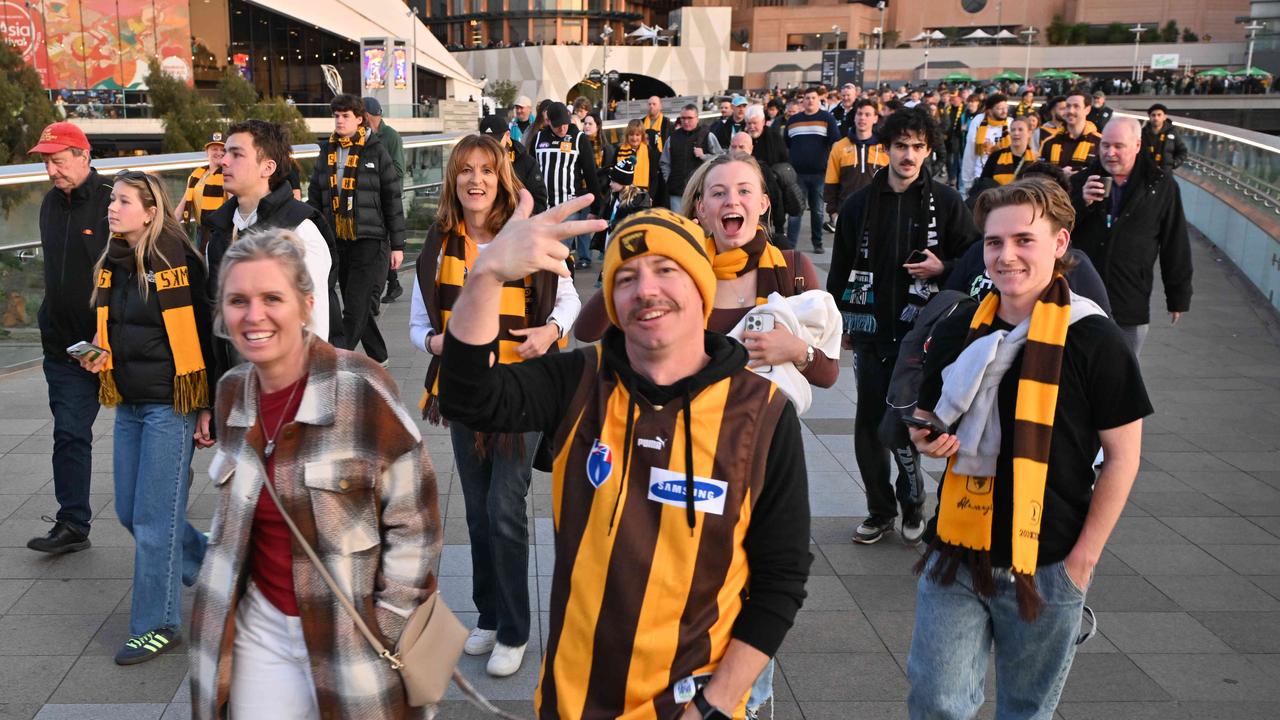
(108, 395)
(951, 557)
(190, 392)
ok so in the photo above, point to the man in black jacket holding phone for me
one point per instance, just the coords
(895, 242)
(73, 234)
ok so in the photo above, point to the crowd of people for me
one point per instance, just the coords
(991, 267)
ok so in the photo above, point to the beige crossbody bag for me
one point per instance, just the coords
(427, 653)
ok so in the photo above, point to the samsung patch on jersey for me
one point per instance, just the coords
(668, 487)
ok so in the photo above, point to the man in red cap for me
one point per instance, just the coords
(73, 234)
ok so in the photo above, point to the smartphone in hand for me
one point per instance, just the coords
(934, 430)
(917, 256)
(86, 350)
(762, 323)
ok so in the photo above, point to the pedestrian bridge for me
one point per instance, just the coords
(1187, 593)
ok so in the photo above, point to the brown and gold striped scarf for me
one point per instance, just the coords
(759, 254)
(981, 137)
(173, 290)
(344, 198)
(443, 267)
(966, 506)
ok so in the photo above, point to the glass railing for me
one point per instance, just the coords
(23, 187)
(94, 110)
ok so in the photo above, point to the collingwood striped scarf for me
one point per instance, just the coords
(966, 505)
(443, 266)
(344, 198)
(758, 254)
(173, 290)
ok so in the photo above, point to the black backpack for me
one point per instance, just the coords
(908, 371)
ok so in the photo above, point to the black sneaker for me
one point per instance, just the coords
(141, 648)
(62, 538)
(872, 529)
(584, 263)
(819, 250)
(393, 292)
(912, 525)
(828, 226)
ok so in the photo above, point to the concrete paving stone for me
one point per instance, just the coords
(1133, 530)
(893, 627)
(11, 590)
(1179, 504)
(72, 597)
(96, 562)
(1269, 583)
(18, 711)
(843, 503)
(827, 677)
(1209, 677)
(123, 711)
(1247, 559)
(1233, 481)
(832, 530)
(456, 532)
(1221, 530)
(827, 593)
(1251, 504)
(1249, 461)
(1176, 560)
(177, 711)
(1107, 677)
(1215, 593)
(1166, 711)
(22, 563)
(831, 632)
(97, 679)
(859, 710)
(463, 710)
(830, 426)
(32, 679)
(1271, 524)
(1171, 461)
(9, 504)
(25, 427)
(545, 556)
(519, 686)
(1152, 632)
(1158, 480)
(455, 560)
(183, 693)
(1109, 564)
(882, 592)
(9, 442)
(819, 567)
(849, 559)
(1127, 593)
(834, 483)
(46, 634)
(1246, 632)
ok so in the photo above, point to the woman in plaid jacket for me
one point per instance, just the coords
(325, 426)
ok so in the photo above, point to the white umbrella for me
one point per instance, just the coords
(1005, 35)
(919, 37)
(644, 31)
(978, 34)
(937, 35)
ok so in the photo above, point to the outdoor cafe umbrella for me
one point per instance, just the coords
(1049, 74)
(1252, 71)
(1214, 72)
(957, 76)
(1008, 75)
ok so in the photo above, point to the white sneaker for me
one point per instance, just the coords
(480, 641)
(505, 660)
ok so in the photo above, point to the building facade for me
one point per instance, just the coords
(472, 24)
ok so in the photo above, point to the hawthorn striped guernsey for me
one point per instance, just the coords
(640, 599)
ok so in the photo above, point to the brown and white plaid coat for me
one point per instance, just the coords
(355, 476)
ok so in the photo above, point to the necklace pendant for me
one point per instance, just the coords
(270, 449)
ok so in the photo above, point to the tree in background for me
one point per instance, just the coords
(27, 109)
(502, 90)
(1169, 33)
(240, 101)
(1059, 32)
(188, 118)
(1188, 36)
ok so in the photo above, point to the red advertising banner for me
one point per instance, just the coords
(23, 28)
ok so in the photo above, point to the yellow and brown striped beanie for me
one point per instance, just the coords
(661, 232)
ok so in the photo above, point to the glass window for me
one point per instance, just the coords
(571, 31)
(517, 31)
(544, 31)
(570, 4)
(495, 31)
(517, 5)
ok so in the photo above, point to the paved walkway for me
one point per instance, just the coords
(1188, 593)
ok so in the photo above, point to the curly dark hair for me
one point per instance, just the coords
(911, 121)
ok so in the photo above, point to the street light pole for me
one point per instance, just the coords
(413, 62)
(605, 34)
(1253, 29)
(1026, 70)
(879, 42)
(1137, 31)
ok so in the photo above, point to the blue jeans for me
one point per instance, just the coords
(73, 399)
(494, 488)
(762, 688)
(812, 186)
(580, 245)
(153, 447)
(956, 628)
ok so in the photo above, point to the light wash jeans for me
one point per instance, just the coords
(270, 664)
(762, 688)
(152, 459)
(956, 628)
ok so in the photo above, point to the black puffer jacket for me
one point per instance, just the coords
(73, 234)
(379, 208)
(143, 362)
(530, 175)
(1150, 226)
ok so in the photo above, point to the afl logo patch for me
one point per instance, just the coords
(599, 464)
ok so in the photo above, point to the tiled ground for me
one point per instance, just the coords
(1188, 597)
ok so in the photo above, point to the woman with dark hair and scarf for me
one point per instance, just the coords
(895, 242)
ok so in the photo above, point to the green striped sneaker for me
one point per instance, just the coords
(141, 648)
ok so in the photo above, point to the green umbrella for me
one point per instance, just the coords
(1049, 74)
(1215, 72)
(958, 76)
(1252, 71)
(1008, 75)
(1068, 75)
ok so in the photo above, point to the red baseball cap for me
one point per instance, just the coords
(59, 136)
